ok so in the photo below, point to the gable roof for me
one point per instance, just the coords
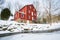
(26, 6)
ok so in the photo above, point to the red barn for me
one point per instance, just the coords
(28, 12)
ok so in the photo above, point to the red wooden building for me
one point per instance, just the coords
(28, 12)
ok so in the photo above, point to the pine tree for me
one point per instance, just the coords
(5, 14)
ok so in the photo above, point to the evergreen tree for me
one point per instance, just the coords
(5, 14)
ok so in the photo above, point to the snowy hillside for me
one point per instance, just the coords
(12, 26)
(18, 27)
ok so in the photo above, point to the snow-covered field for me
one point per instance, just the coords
(18, 27)
(13, 26)
(33, 36)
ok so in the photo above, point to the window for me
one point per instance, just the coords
(33, 9)
(28, 17)
(22, 15)
(32, 13)
(29, 11)
(30, 7)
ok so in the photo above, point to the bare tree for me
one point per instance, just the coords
(36, 3)
(18, 6)
(51, 8)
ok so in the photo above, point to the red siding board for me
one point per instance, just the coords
(28, 9)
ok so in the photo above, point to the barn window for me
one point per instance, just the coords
(33, 9)
(32, 13)
(28, 17)
(30, 7)
(22, 15)
(29, 11)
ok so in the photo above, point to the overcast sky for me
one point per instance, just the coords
(12, 4)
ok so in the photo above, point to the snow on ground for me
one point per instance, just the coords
(33, 36)
(18, 27)
(4, 32)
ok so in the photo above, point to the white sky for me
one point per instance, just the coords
(12, 4)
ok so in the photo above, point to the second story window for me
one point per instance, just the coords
(32, 13)
(30, 7)
(29, 11)
(35, 14)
